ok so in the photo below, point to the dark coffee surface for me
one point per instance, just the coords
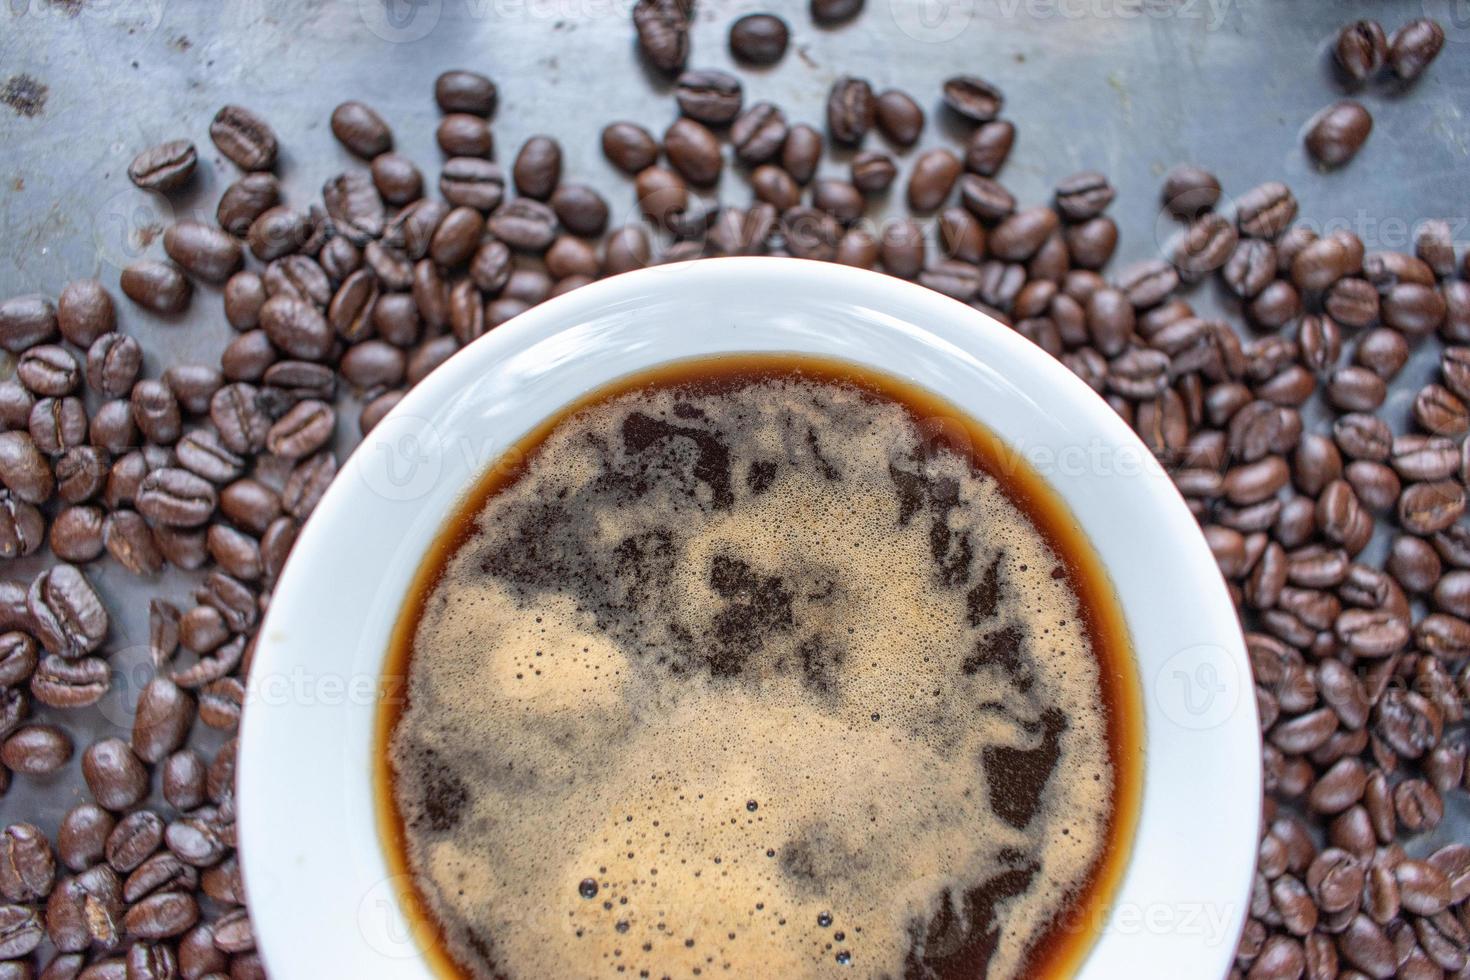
(750, 671)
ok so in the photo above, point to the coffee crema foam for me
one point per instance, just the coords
(756, 681)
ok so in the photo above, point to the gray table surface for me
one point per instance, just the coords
(1129, 87)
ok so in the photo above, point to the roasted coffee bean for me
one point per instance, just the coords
(159, 287)
(663, 32)
(629, 147)
(902, 249)
(872, 172)
(776, 187)
(22, 527)
(81, 473)
(465, 91)
(1413, 46)
(84, 312)
(114, 775)
(461, 134)
(35, 750)
(204, 251)
(235, 552)
(962, 236)
(985, 199)
(838, 198)
(244, 137)
(67, 615)
(954, 278)
(165, 167)
(244, 296)
(537, 168)
(361, 130)
(76, 534)
(1335, 134)
(113, 364)
(302, 430)
(1251, 267)
(49, 370)
(246, 200)
(933, 174)
(176, 498)
(989, 146)
(1083, 195)
(356, 209)
(27, 868)
(161, 720)
(195, 842)
(850, 110)
(276, 232)
(834, 11)
(398, 179)
(21, 931)
(129, 540)
(709, 96)
(81, 840)
(1414, 308)
(1019, 236)
(581, 210)
(759, 39)
(162, 915)
(1361, 49)
(156, 412)
(1110, 321)
(26, 321)
(973, 98)
(694, 151)
(1439, 411)
(525, 225)
(457, 237)
(1425, 508)
(296, 327)
(1355, 389)
(135, 838)
(1265, 211)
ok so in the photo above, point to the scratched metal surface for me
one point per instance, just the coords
(1126, 86)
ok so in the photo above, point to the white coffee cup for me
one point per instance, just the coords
(321, 895)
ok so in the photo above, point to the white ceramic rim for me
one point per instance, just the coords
(320, 898)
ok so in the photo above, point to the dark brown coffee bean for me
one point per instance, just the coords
(465, 91)
(1018, 236)
(850, 110)
(1265, 211)
(115, 777)
(1425, 508)
(1413, 46)
(973, 98)
(954, 278)
(220, 703)
(986, 199)
(161, 721)
(244, 137)
(1083, 195)
(1439, 411)
(306, 483)
(159, 287)
(296, 327)
(759, 39)
(135, 838)
(67, 614)
(1335, 134)
(839, 199)
(398, 179)
(26, 321)
(961, 235)
(934, 173)
(775, 186)
(694, 151)
(244, 296)
(84, 312)
(195, 842)
(1360, 49)
(246, 200)
(457, 237)
(663, 32)
(76, 534)
(276, 232)
(162, 915)
(872, 172)
(165, 167)
(1110, 321)
(537, 168)
(301, 431)
(129, 540)
(36, 750)
(902, 249)
(204, 251)
(113, 364)
(360, 129)
(176, 497)
(156, 412)
(989, 146)
(525, 225)
(629, 147)
(1414, 308)
(21, 931)
(461, 134)
(356, 209)
(22, 527)
(27, 869)
(81, 840)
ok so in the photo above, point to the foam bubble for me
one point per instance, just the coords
(693, 600)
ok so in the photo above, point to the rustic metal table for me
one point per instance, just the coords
(1129, 87)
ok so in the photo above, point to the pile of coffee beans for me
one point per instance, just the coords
(1362, 668)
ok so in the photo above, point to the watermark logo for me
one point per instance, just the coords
(388, 931)
(403, 458)
(400, 21)
(1199, 687)
(128, 223)
(932, 21)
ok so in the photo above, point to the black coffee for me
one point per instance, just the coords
(751, 669)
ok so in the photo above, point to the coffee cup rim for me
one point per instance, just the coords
(306, 821)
